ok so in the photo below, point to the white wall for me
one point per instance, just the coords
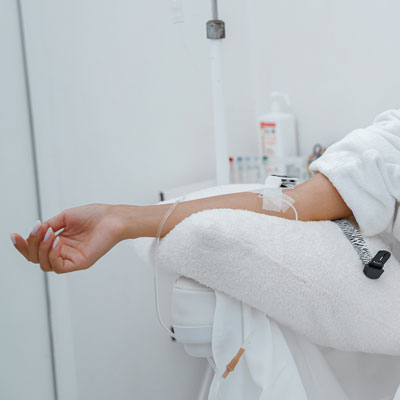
(337, 59)
(25, 358)
(122, 108)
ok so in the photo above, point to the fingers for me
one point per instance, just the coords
(61, 257)
(34, 239)
(50, 251)
(20, 244)
(29, 247)
(44, 249)
(42, 246)
(57, 222)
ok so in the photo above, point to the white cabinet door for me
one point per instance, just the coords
(25, 351)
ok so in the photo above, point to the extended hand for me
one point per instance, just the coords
(89, 232)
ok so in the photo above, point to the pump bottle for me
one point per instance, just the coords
(278, 139)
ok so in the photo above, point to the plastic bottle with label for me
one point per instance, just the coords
(278, 137)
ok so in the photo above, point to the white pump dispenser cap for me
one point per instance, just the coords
(278, 99)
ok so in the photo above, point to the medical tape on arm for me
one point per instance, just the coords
(274, 199)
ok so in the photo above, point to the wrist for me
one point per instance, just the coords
(137, 221)
(126, 221)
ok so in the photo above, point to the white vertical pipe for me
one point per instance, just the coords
(220, 132)
(214, 9)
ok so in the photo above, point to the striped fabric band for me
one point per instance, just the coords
(356, 240)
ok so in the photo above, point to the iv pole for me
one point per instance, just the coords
(216, 33)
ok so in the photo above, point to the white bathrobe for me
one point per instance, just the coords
(365, 168)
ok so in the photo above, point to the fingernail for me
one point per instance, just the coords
(55, 243)
(13, 239)
(48, 234)
(36, 226)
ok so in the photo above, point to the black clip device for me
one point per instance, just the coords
(374, 269)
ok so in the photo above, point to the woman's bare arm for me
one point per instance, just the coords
(316, 199)
(90, 231)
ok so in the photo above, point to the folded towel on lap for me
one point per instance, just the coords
(305, 275)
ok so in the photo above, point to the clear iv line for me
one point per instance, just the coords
(155, 265)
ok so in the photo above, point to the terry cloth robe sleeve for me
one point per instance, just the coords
(365, 168)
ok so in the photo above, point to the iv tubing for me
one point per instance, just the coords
(155, 264)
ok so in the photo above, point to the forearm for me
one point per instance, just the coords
(315, 199)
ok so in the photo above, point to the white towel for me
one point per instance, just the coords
(245, 255)
(305, 275)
